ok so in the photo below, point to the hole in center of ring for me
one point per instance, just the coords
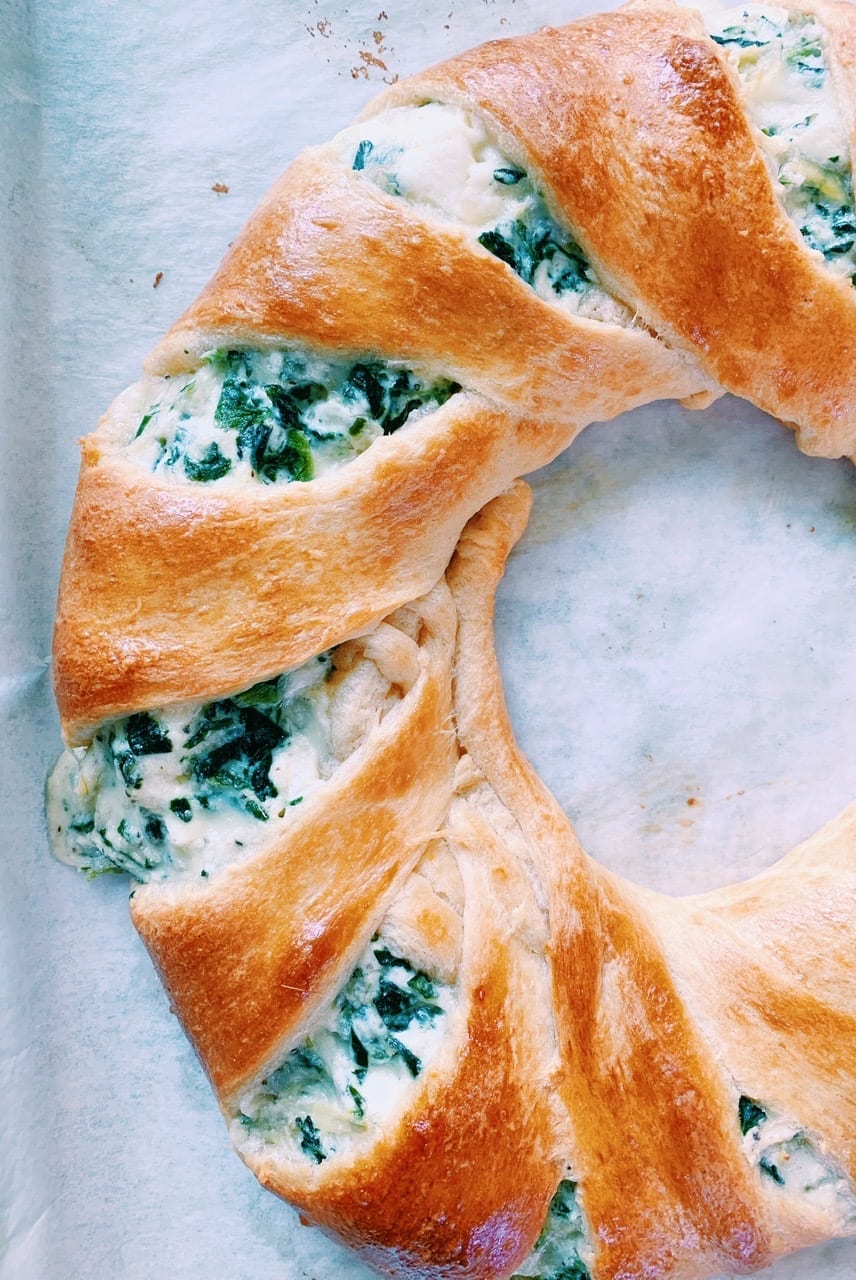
(676, 635)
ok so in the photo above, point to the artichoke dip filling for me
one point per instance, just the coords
(780, 57)
(786, 1155)
(443, 157)
(190, 788)
(380, 1033)
(275, 416)
(562, 1244)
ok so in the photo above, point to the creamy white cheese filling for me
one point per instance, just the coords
(191, 788)
(781, 59)
(782, 1151)
(443, 157)
(381, 1032)
(274, 417)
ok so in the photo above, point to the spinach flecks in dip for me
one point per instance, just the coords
(381, 1031)
(535, 246)
(276, 417)
(780, 56)
(561, 1246)
(751, 1115)
(786, 1156)
(159, 792)
(443, 157)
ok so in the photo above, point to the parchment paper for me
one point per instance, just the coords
(676, 626)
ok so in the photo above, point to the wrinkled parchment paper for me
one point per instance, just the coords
(676, 627)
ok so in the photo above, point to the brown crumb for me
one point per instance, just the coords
(220, 188)
(692, 800)
(157, 279)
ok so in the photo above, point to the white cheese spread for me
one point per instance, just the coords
(274, 417)
(780, 56)
(443, 158)
(354, 1069)
(189, 789)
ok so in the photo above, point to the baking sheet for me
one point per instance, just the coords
(676, 629)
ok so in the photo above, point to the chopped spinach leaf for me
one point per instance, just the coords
(210, 466)
(556, 1253)
(359, 1102)
(387, 960)
(144, 422)
(230, 749)
(807, 57)
(181, 808)
(364, 150)
(502, 247)
(766, 1165)
(739, 37)
(360, 1052)
(154, 827)
(508, 176)
(293, 457)
(410, 1060)
(751, 1115)
(392, 395)
(310, 1141)
(129, 769)
(303, 1067)
(146, 736)
(129, 833)
(368, 379)
(267, 693)
(398, 1006)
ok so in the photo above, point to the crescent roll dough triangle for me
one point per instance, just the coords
(432, 1022)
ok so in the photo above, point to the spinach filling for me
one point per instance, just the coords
(787, 1156)
(141, 798)
(557, 1251)
(536, 239)
(229, 751)
(752, 1117)
(280, 416)
(328, 1088)
(807, 145)
(527, 239)
(826, 201)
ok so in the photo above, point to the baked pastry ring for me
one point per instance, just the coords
(364, 962)
(649, 165)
